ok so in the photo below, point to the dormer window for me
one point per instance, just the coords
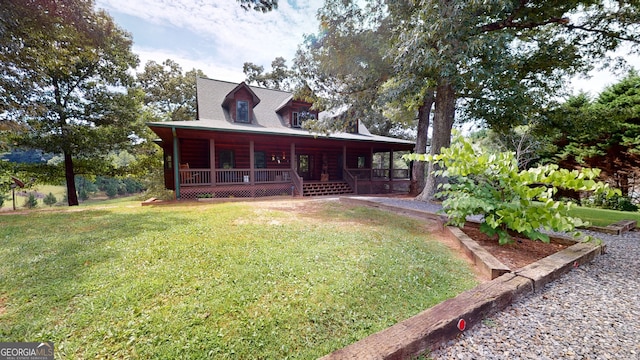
(297, 118)
(240, 103)
(242, 111)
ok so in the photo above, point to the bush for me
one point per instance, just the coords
(83, 194)
(31, 201)
(491, 185)
(615, 202)
(50, 200)
(133, 186)
(2, 199)
(111, 189)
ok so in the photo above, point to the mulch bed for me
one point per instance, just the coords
(516, 255)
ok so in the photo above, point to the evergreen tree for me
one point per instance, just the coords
(50, 199)
(31, 202)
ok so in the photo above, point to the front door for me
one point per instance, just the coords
(304, 166)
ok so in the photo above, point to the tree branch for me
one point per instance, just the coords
(610, 34)
(510, 24)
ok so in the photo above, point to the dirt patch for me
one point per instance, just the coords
(516, 255)
(3, 308)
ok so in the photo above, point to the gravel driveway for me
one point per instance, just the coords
(593, 312)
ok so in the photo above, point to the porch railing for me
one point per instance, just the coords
(199, 177)
(272, 175)
(384, 173)
(233, 176)
(361, 174)
(297, 182)
(351, 179)
(195, 177)
(400, 173)
(380, 173)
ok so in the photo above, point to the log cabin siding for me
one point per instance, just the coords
(195, 152)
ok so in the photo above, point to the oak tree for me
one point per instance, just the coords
(505, 54)
(170, 94)
(68, 68)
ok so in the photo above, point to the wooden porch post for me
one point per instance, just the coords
(391, 170)
(292, 158)
(344, 157)
(371, 163)
(176, 163)
(252, 177)
(212, 161)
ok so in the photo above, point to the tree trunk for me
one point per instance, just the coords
(418, 167)
(443, 119)
(72, 196)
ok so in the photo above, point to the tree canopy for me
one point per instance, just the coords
(604, 132)
(498, 61)
(169, 94)
(259, 5)
(68, 66)
(505, 58)
(279, 78)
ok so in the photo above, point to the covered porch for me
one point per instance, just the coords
(228, 165)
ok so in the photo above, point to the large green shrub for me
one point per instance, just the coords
(615, 202)
(491, 185)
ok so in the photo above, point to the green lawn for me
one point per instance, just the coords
(216, 280)
(603, 217)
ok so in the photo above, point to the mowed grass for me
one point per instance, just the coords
(217, 280)
(603, 217)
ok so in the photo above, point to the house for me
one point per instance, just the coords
(249, 142)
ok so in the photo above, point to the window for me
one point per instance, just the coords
(242, 111)
(298, 117)
(295, 120)
(226, 159)
(259, 160)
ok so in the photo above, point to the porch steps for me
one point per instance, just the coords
(326, 188)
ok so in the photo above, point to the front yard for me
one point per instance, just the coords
(241, 280)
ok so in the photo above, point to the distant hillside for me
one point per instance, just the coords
(26, 156)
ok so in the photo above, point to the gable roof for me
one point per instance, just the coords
(232, 94)
(213, 116)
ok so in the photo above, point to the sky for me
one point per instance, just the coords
(215, 36)
(218, 36)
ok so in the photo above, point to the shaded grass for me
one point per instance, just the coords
(603, 217)
(223, 280)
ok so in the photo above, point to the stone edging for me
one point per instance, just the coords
(429, 329)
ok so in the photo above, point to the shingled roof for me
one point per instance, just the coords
(213, 116)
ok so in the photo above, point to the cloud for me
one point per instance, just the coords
(209, 65)
(221, 31)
